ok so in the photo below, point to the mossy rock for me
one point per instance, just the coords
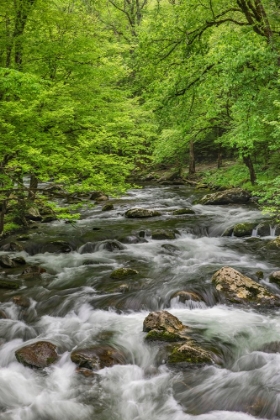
(163, 234)
(180, 212)
(275, 277)
(190, 353)
(243, 229)
(108, 207)
(274, 244)
(7, 284)
(121, 273)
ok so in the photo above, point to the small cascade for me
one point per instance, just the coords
(273, 230)
(255, 232)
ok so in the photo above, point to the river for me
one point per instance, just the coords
(76, 304)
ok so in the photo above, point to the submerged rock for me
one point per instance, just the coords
(8, 284)
(272, 347)
(231, 196)
(180, 212)
(3, 315)
(139, 213)
(33, 271)
(98, 357)
(237, 288)
(22, 301)
(163, 234)
(109, 245)
(123, 272)
(37, 355)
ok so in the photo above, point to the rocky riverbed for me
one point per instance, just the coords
(160, 306)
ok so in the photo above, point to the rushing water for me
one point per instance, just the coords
(76, 304)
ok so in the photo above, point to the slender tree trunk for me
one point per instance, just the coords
(3, 211)
(220, 158)
(192, 158)
(248, 162)
(33, 185)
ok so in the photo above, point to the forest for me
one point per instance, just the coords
(94, 90)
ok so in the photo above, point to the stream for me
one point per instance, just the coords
(75, 304)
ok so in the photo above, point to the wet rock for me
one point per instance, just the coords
(22, 301)
(33, 271)
(170, 248)
(3, 314)
(180, 212)
(131, 239)
(6, 262)
(190, 353)
(37, 355)
(108, 245)
(163, 326)
(95, 195)
(263, 229)
(57, 247)
(124, 272)
(139, 213)
(123, 288)
(19, 261)
(87, 373)
(23, 238)
(12, 246)
(231, 196)
(8, 284)
(272, 347)
(243, 229)
(274, 244)
(108, 207)
(185, 295)
(275, 277)
(163, 234)
(49, 218)
(237, 288)
(97, 357)
(228, 231)
(33, 214)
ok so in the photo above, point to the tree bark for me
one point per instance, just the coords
(192, 158)
(33, 185)
(248, 162)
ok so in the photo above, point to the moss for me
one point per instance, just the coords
(179, 212)
(8, 285)
(189, 354)
(243, 229)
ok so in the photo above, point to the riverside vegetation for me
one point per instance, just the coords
(91, 91)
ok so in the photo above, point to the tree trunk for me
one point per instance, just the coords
(220, 158)
(248, 162)
(33, 185)
(3, 211)
(192, 159)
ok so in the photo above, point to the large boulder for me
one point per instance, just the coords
(232, 196)
(98, 357)
(37, 355)
(237, 288)
(140, 213)
(33, 214)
